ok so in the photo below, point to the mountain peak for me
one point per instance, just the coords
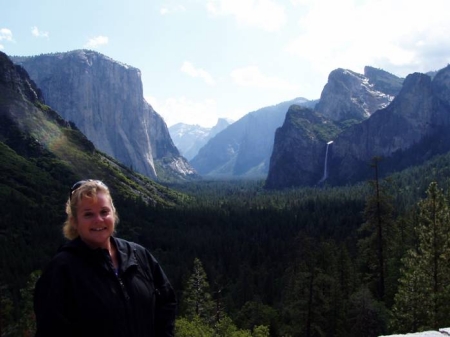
(352, 96)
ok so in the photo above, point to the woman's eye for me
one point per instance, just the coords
(88, 215)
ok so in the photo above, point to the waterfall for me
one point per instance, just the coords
(325, 167)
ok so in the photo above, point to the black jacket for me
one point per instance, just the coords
(79, 294)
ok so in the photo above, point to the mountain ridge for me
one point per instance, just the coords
(104, 98)
(408, 131)
(34, 130)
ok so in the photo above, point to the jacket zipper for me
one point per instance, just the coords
(125, 294)
(122, 287)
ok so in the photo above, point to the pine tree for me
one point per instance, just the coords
(192, 328)
(197, 297)
(379, 233)
(309, 291)
(27, 322)
(423, 298)
(367, 317)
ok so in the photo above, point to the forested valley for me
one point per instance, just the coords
(364, 260)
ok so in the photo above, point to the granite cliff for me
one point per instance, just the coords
(409, 131)
(43, 152)
(349, 95)
(304, 132)
(104, 98)
(404, 132)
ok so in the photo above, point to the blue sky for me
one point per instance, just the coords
(205, 59)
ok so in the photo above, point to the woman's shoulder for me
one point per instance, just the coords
(69, 253)
(123, 244)
(142, 253)
(60, 263)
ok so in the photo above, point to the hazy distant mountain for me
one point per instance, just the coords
(243, 149)
(189, 139)
(104, 98)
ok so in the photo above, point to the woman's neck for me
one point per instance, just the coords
(114, 256)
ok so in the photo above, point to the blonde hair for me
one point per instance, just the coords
(84, 189)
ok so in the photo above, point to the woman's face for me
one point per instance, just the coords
(95, 221)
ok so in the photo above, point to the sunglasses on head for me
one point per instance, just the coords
(78, 184)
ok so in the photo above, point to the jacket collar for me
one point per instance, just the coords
(125, 250)
(126, 253)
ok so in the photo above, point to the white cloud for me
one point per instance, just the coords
(398, 36)
(251, 76)
(37, 33)
(6, 35)
(184, 110)
(300, 2)
(96, 42)
(189, 69)
(171, 9)
(265, 14)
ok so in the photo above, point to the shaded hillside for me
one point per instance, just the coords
(105, 100)
(300, 148)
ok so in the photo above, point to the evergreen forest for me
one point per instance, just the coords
(369, 259)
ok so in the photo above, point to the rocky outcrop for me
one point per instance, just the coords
(444, 332)
(104, 98)
(16, 79)
(407, 132)
(416, 121)
(299, 152)
(397, 127)
(349, 95)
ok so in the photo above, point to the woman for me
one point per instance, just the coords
(100, 285)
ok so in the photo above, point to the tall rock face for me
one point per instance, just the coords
(243, 149)
(352, 96)
(16, 79)
(407, 132)
(104, 98)
(41, 150)
(383, 81)
(299, 154)
(23, 123)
